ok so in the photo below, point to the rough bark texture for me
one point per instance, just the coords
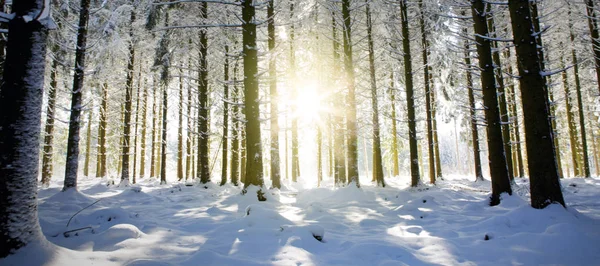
(20, 116)
(72, 164)
(47, 162)
(595, 36)
(203, 133)
(235, 132)
(425, 54)
(88, 142)
(392, 93)
(473, 118)
(254, 166)
(295, 155)
(410, 101)
(275, 159)
(351, 124)
(339, 114)
(224, 151)
(377, 158)
(128, 105)
(544, 181)
(180, 174)
(496, 156)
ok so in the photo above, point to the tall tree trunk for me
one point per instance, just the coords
(47, 162)
(189, 138)
(295, 155)
(128, 105)
(496, 156)
(163, 159)
(203, 133)
(254, 167)
(377, 158)
(338, 124)
(410, 101)
(21, 97)
(235, 131)
(518, 162)
(154, 129)
(180, 174)
(573, 138)
(137, 122)
(275, 160)
(351, 125)
(392, 93)
(501, 92)
(224, 151)
(102, 126)
(436, 146)
(88, 144)
(425, 49)
(584, 146)
(592, 23)
(472, 113)
(544, 181)
(72, 163)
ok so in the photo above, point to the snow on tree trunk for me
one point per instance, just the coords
(20, 116)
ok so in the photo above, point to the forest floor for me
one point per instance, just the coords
(446, 224)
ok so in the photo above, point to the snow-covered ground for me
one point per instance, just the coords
(446, 224)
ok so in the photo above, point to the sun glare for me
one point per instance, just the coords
(309, 103)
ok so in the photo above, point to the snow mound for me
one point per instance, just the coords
(109, 239)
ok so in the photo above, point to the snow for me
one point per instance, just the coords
(449, 224)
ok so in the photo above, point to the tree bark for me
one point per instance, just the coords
(425, 54)
(275, 159)
(47, 162)
(472, 113)
(72, 164)
(203, 119)
(21, 97)
(235, 131)
(254, 167)
(377, 158)
(224, 151)
(592, 18)
(392, 92)
(410, 101)
(339, 114)
(496, 156)
(128, 105)
(544, 181)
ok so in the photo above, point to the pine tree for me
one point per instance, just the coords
(203, 131)
(410, 101)
(224, 151)
(351, 125)
(48, 152)
(472, 113)
(275, 160)
(544, 181)
(72, 164)
(128, 104)
(254, 167)
(21, 96)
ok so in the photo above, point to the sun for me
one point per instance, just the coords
(309, 103)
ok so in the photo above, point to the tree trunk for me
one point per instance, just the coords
(102, 125)
(496, 156)
(154, 129)
(518, 160)
(425, 49)
(47, 162)
(72, 163)
(275, 160)
(573, 138)
(137, 122)
(88, 143)
(436, 146)
(472, 113)
(544, 181)
(592, 23)
(338, 124)
(351, 126)
(584, 146)
(377, 158)
(128, 106)
(21, 97)
(501, 92)
(410, 101)
(224, 161)
(163, 159)
(203, 133)
(254, 167)
(295, 156)
(235, 131)
(392, 92)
